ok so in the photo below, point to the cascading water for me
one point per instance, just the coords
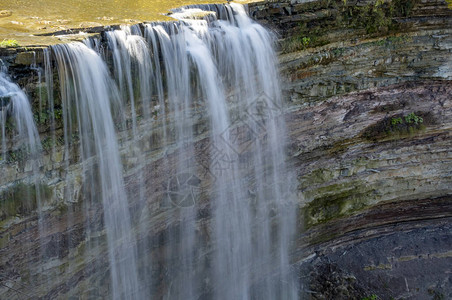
(87, 91)
(251, 198)
(190, 114)
(25, 140)
(14, 100)
(20, 139)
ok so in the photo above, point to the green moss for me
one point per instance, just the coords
(334, 201)
(47, 144)
(402, 8)
(291, 44)
(372, 17)
(305, 37)
(305, 41)
(39, 95)
(61, 209)
(41, 117)
(375, 19)
(378, 17)
(316, 177)
(21, 199)
(396, 121)
(58, 112)
(10, 125)
(338, 52)
(9, 44)
(398, 126)
(412, 118)
(43, 114)
(19, 155)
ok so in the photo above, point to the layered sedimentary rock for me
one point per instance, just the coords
(370, 183)
(368, 94)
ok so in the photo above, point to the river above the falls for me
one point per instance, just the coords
(24, 21)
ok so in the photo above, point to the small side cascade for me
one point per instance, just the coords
(87, 89)
(20, 138)
(15, 103)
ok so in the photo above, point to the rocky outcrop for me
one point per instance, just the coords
(369, 124)
(332, 20)
(368, 96)
(373, 189)
(360, 155)
(399, 260)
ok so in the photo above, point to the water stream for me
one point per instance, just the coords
(207, 87)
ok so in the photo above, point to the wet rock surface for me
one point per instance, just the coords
(406, 263)
(374, 185)
(367, 197)
(375, 193)
(399, 261)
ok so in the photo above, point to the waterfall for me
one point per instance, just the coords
(25, 141)
(251, 202)
(14, 100)
(179, 130)
(20, 141)
(87, 89)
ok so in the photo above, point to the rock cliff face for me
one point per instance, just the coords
(371, 185)
(374, 184)
(368, 94)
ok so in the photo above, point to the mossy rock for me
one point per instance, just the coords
(316, 177)
(22, 199)
(398, 126)
(335, 201)
(376, 18)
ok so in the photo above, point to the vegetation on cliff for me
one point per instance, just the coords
(398, 126)
(374, 19)
(9, 44)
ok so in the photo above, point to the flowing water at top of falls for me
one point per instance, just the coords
(179, 131)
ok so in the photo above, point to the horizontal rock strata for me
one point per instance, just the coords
(368, 108)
